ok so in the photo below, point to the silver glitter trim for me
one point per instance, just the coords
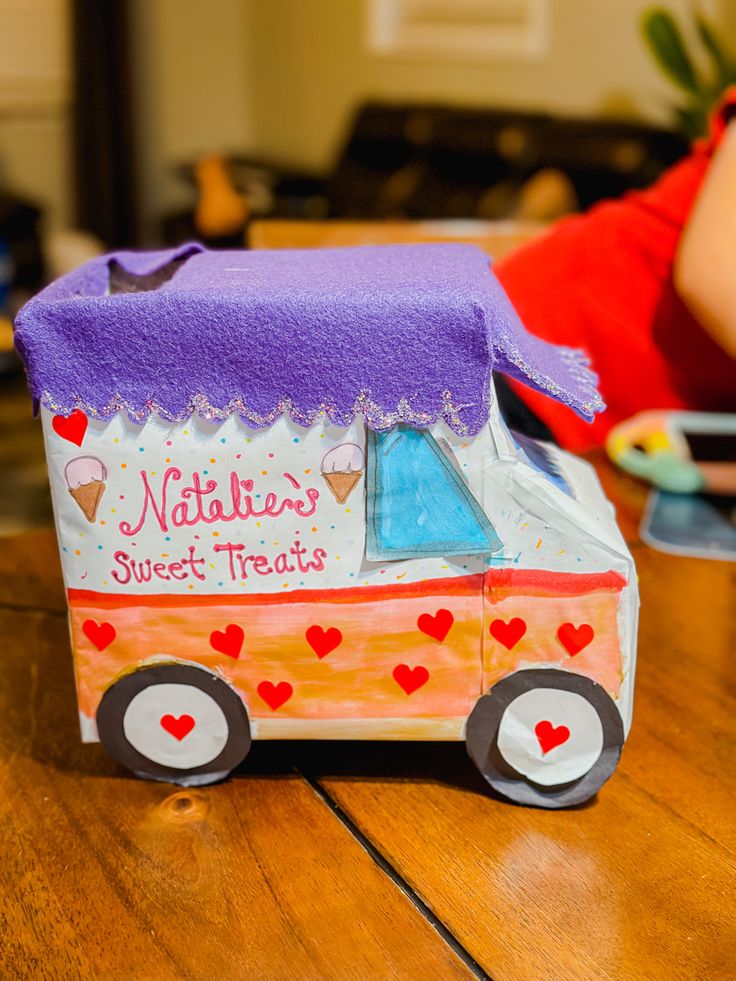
(376, 416)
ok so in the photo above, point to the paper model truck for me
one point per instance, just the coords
(288, 508)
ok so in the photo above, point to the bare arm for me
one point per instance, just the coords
(705, 264)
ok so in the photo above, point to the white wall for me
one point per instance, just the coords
(35, 104)
(190, 66)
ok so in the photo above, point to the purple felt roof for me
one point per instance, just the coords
(400, 333)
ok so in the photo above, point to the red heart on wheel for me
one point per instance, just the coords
(550, 736)
(323, 641)
(228, 641)
(509, 634)
(275, 695)
(410, 679)
(178, 728)
(574, 639)
(71, 428)
(437, 626)
(101, 634)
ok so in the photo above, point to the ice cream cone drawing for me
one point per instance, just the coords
(342, 468)
(85, 477)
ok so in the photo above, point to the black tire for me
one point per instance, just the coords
(482, 730)
(115, 702)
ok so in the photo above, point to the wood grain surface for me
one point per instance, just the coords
(103, 876)
(372, 860)
(497, 238)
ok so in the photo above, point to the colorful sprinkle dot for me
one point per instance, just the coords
(270, 456)
(168, 459)
(169, 443)
(123, 466)
(167, 538)
(186, 432)
(213, 459)
(264, 473)
(308, 470)
(77, 552)
(122, 497)
(215, 534)
(99, 548)
(116, 440)
(103, 522)
(314, 528)
(238, 456)
(189, 587)
(295, 440)
(248, 439)
(223, 440)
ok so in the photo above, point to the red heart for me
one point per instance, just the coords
(275, 695)
(228, 641)
(323, 641)
(574, 639)
(509, 634)
(178, 728)
(71, 427)
(410, 679)
(549, 736)
(437, 626)
(101, 634)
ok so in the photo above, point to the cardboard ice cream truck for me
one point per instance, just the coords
(288, 508)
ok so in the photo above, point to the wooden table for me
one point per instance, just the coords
(363, 860)
(497, 238)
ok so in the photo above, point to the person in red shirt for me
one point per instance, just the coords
(646, 285)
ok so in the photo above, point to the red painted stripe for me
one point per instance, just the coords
(560, 583)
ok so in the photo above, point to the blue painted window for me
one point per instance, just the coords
(418, 503)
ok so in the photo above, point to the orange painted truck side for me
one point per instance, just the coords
(405, 661)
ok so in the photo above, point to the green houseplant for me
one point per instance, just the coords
(701, 76)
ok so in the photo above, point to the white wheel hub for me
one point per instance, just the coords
(550, 736)
(176, 725)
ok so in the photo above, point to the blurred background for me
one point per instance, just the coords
(144, 123)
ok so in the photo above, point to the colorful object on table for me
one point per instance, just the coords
(702, 526)
(679, 452)
(333, 536)
(220, 210)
